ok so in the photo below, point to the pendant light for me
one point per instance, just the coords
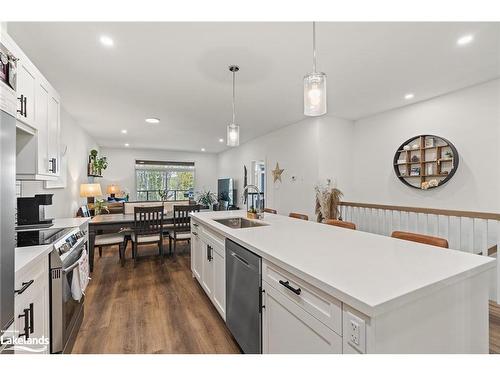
(233, 130)
(314, 87)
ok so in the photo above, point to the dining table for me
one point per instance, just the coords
(113, 223)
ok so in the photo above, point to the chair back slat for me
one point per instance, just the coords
(182, 220)
(148, 220)
(340, 223)
(421, 238)
(296, 215)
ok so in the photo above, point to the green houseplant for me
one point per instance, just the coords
(206, 198)
(100, 207)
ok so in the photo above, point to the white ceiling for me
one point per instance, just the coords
(178, 73)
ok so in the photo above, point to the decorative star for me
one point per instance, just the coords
(277, 173)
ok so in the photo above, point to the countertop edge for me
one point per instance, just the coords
(370, 310)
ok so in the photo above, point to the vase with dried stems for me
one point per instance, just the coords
(327, 201)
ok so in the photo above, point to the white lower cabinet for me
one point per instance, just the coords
(208, 265)
(196, 255)
(289, 329)
(207, 274)
(32, 306)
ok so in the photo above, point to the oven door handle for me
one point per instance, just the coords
(73, 266)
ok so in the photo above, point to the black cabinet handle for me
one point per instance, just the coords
(54, 165)
(32, 322)
(24, 287)
(25, 107)
(287, 285)
(26, 324)
(21, 111)
(209, 253)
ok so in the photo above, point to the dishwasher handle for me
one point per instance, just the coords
(242, 260)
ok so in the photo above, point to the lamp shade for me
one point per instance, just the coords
(90, 190)
(113, 189)
(315, 94)
(233, 135)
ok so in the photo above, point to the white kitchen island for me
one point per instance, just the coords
(360, 292)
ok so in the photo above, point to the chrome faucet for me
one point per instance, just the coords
(260, 213)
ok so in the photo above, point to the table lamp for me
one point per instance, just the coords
(112, 190)
(90, 191)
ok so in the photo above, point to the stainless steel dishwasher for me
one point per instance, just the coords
(243, 297)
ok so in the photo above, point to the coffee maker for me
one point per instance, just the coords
(31, 211)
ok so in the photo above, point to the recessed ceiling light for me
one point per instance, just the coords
(466, 39)
(106, 41)
(203, 150)
(126, 145)
(221, 140)
(124, 131)
(409, 96)
(152, 120)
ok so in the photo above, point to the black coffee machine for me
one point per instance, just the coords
(31, 210)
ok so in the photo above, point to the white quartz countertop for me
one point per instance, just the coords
(25, 256)
(372, 273)
(62, 223)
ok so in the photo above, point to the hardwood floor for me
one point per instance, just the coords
(150, 307)
(494, 328)
(157, 307)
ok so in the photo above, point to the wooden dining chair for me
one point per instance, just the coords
(148, 227)
(340, 223)
(421, 238)
(270, 211)
(298, 216)
(182, 225)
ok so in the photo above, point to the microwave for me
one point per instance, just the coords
(7, 67)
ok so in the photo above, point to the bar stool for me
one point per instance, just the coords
(340, 223)
(298, 216)
(421, 238)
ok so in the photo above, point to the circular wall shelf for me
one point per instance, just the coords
(426, 161)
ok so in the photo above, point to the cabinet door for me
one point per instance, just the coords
(219, 268)
(207, 275)
(26, 86)
(53, 135)
(289, 329)
(34, 303)
(196, 255)
(42, 120)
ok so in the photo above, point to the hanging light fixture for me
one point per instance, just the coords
(233, 130)
(314, 87)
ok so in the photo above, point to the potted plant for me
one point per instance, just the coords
(100, 207)
(100, 164)
(206, 198)
(327, 201)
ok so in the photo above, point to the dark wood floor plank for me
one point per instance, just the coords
(151, 306)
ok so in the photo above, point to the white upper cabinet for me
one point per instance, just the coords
(39, 122)
(26, 88)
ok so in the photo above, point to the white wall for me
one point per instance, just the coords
(358, 155)
(468, 118)
(309, 150)
(121, 167)
(66, 202)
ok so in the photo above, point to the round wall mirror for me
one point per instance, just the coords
(426, 161)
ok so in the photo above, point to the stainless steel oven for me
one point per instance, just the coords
(66, 313)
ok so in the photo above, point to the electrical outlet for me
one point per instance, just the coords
(354, 332)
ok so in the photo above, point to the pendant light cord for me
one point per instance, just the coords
(314, 47)
(233, 97)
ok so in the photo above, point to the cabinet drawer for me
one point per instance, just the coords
(38, 272)
(323, 307)
(213, 238)
(289, 329)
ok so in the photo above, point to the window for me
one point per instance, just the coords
(172, 180)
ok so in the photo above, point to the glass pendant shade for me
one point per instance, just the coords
(233, 135)
(315, 94)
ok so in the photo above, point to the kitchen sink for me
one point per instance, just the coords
(240, 222)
